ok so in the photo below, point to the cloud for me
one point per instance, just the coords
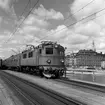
(76, 39)
(35, 28)
(65, 36)
(58, 33)
(5, 4)
(8, 7)
(92, 28)
(28, 29)
(87, 10)
(4, 35)
(12, 12)
(48, 14)
(34, 20)
(61, 34)
(41, 15)
(1, 20)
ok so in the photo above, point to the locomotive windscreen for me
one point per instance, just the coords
(49, 50)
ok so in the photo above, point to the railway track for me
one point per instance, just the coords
(86, 85)
(55, 98)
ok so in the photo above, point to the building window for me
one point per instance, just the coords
(49, 50)
(30, 54)
(24, 56)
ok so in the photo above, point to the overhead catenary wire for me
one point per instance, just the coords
(79, 21)
(78, 10)
(89, 20)
(22, 21)
(29, 1)
(29, 13)
(74, 13)
(95, 17)
(72, 24)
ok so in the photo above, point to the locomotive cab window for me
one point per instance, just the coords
(30, 54)
(40, 51)
(24, 56)
(49, 50)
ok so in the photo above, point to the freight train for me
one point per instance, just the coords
(46, 59)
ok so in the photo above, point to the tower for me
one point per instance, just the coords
(93, 46)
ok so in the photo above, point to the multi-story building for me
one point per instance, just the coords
(86, 59)
(69, 61)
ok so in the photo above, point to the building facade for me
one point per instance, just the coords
(69, 61)
(86, 59)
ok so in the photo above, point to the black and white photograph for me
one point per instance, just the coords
(52, 52)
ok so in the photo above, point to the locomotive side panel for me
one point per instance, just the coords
(16, 61)
(29, 60)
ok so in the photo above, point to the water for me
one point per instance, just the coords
(91, 77)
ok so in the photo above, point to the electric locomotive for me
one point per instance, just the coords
(47, 59)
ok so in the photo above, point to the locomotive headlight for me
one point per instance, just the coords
(62, 60)
(48, 61)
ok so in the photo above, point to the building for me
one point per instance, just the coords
(69, 61)
(86, 59)
(103, 65)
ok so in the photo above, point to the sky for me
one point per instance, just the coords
(74, 24)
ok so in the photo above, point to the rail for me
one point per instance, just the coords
(80, 70)
(88, 85)
(57, 96)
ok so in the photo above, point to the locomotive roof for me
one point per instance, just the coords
(46, 43)
(12, 57)
(43, 43)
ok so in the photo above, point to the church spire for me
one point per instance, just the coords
(93, 46)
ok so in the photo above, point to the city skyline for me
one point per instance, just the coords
(56, 20)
